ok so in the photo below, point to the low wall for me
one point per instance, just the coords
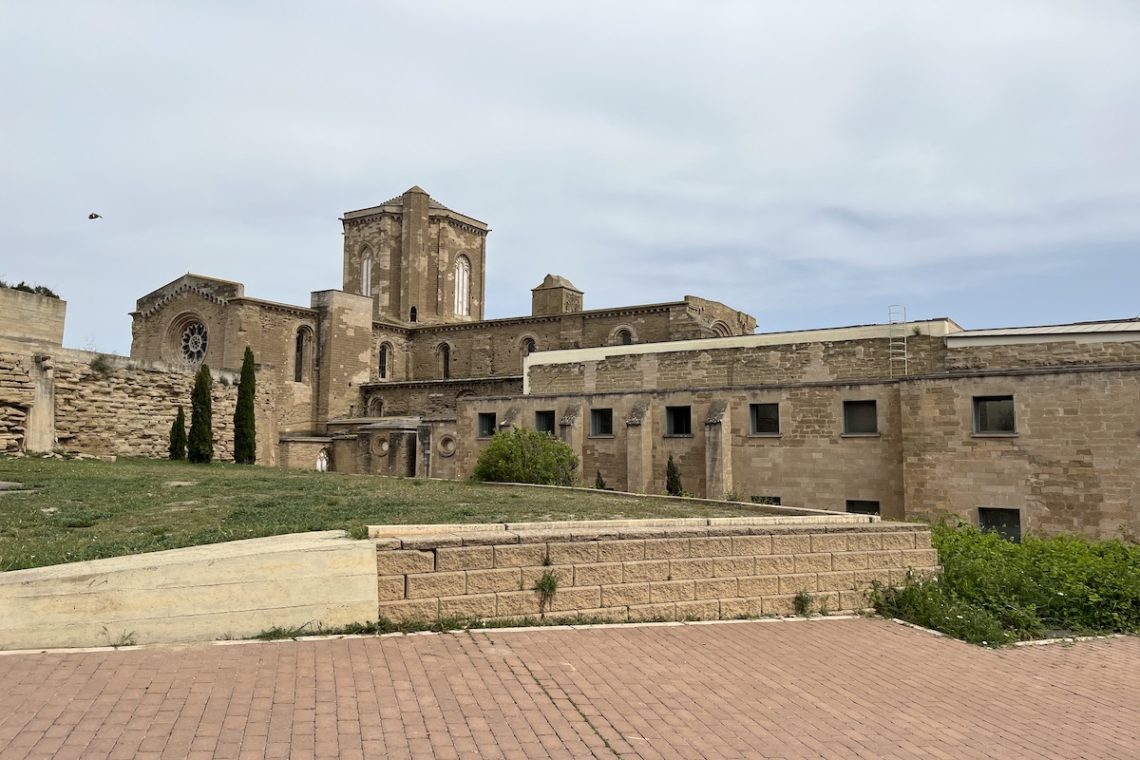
(704, 569)
(199, 593)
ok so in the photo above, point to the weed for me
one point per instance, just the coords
(802, 603)
(357, 532)
(101, 365)
(545, 587)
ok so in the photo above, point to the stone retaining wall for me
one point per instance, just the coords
(628, 572)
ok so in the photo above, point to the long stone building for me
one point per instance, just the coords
(398, 373)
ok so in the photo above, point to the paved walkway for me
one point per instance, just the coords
(825, 688)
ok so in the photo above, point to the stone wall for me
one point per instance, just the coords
(114, 405)
(963, 355)
(627, 571)
(430, 398)
(16, 397)
(31, 317)
(810, 463)
(781, 364)
(1071, 467)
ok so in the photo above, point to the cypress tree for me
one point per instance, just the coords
(245, 427)
(673, 478)
(201, 446)
(178, 436)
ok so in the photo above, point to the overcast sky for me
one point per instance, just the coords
(810, 163)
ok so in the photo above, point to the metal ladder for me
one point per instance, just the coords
(898, 359)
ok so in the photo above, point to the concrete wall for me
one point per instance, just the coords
(200, 593)
(626, 571)
(31, 317)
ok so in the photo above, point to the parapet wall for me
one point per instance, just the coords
(32, 317)
(704, 569)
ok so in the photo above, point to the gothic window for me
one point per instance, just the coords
(412, 315)
(301, 347)
(366, 273)
(445, 361)
(384, 358)
(462, 286)
(194, 342)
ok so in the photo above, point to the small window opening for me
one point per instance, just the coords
(625, 337)
(488, 424)
(412, 315)
(862, 507)
(445, 361)
(1005, 522)
(993, 415)
(773, 501)
(678, 420)
(383, 369)
(764, 419)
(528, 347)
(544, 421)
(601, 422)
(860, 417)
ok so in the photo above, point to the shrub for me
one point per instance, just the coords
(39, 290)
(599, 481)
(101, 365)
(178, 436)
(1042, 586)
(526, 456)
(200, 447)
(245, 426)
(673, 478)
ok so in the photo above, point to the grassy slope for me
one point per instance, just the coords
(87, 509)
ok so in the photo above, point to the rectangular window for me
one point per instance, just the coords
(1005, 522)
(764, 419)
(544, 421)
(601, 422)
(487, 424)
(860, 417)
(678, 420)
(773, 501)
(862, 507)
(993, 415)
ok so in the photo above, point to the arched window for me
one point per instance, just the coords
(528, 347)
(302, 346)
(384, 358)
(462, 286)
(366, 272)
(445, 361)
(412, 315)
(625, 337)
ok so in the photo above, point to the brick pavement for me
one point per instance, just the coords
(827, 688)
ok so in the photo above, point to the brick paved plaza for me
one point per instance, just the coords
(825, 688)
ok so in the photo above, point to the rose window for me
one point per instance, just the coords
(194, 343)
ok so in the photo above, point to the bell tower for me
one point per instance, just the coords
(419, 261)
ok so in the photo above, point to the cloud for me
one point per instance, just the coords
(808, 163)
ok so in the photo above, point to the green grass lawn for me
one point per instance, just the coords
(81, 510)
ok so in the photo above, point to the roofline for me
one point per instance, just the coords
(393, 208)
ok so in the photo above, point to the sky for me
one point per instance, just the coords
(810, 163)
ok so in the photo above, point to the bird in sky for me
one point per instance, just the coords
(93, 215)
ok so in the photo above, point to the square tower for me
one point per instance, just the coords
(417, 260)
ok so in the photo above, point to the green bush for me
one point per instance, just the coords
(200, 448)
(1041, 586)
(600, 482)
(526, 456)
(245, 426)
(178, 436)
(39, 290)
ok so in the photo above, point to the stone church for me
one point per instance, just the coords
(367, 378)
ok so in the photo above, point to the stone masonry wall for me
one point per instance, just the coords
(1052, 354)
(16, 396)
(126, 407)
(625, 573)
(761, 365)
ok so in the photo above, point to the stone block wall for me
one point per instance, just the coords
(32, 317)
(16, 397)
(627, 572)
